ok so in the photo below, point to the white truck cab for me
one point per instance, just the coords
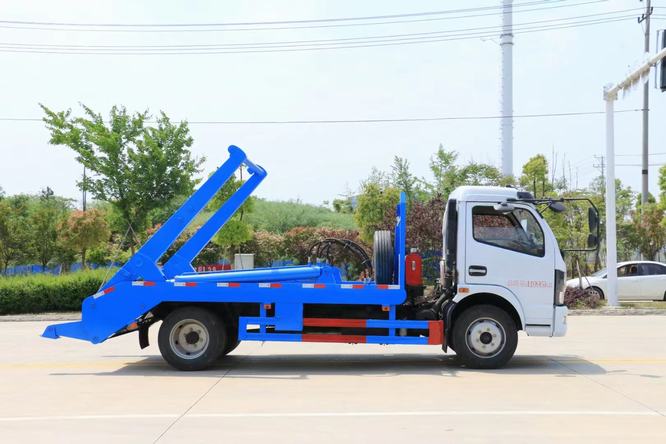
(502, 268)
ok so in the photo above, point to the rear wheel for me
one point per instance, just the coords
(382, 257)
(232, 339)
(192, 338)
(485, 336)
(230, 347)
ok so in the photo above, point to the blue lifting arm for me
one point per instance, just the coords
(181, 261)
(143, 265)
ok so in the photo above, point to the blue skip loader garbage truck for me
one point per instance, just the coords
(501, 272)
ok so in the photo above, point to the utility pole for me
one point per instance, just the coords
(646, 102)
(506, 44)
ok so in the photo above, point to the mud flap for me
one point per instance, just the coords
(448, 324)
(143, 336)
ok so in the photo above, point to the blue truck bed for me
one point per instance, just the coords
(126, 301)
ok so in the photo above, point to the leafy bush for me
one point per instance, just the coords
(266, 247)
(581, 298)
(38, 293)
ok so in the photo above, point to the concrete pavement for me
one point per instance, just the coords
(604, 382)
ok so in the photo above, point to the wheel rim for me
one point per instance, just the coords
(485, 337)
(189, 339)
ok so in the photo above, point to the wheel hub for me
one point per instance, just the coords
(189, 339)
(485, 337)
(192, 337)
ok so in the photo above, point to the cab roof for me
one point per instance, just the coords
(484, 193)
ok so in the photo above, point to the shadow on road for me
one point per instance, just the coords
(300, 366)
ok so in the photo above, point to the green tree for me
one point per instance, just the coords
(15, 242)
(662, 183)
(237, 230)
(84, 230)
(648, 233)
(535, 176)
(403, 179)
(448, 175)
(375, 207)
(48, 211)
(343, 205)
(136, 168)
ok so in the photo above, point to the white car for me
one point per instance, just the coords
(636, 280)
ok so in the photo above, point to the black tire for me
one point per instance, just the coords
(598, 291)
(230, 347)
(382, 257)
(232, 339)
(481, 323)
(196, 349)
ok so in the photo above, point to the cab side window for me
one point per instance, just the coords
(517, 231)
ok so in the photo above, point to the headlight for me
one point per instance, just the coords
(559, 288)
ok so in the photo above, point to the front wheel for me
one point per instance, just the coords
(192, 338)
(485, 337)
(597, 291)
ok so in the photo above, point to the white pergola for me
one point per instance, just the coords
(610, 96)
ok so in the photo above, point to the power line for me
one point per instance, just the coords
(363, 39)
(337, 20)
(640, 154)
(395, 120)
(268, 47)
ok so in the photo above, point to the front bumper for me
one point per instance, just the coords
(560, 320)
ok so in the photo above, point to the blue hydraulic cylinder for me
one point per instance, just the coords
(296, 273)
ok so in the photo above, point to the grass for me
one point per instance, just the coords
(659, 305)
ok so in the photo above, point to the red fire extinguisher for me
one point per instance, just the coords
(414, 268)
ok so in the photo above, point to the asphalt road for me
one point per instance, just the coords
(604, 382)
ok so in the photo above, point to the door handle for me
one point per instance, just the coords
(477, 270)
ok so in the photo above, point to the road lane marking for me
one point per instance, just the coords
(337, 414)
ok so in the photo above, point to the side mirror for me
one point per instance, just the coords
(504, 207)
(592, 220)
(592, 241)
(557, 207)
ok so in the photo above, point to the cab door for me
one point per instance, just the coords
(511, 250)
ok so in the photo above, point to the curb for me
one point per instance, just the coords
(37, 317)
(618, 312)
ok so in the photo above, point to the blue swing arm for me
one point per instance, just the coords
(143, 265)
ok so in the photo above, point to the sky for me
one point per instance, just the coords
(555, 71)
